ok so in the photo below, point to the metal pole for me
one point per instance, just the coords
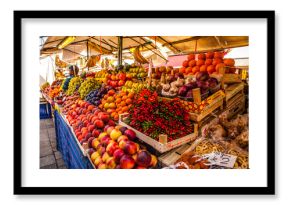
(120, 48)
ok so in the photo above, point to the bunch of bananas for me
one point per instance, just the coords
(73, 85)
(138, 57)
(87, 86)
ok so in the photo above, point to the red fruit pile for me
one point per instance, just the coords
(153, 116)
(114, 149)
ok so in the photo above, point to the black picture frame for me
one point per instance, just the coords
(268, 190)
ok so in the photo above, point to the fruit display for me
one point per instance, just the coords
(74, 85)
(110, 146)
(95, 96)
(87, 86)
(154, 116)
(209, 62)
(116, 103)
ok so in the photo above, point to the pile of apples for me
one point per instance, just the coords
(116, 103)
(115, 149)
(210, 62)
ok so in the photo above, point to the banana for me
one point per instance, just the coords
(141, 57)
(135, 54)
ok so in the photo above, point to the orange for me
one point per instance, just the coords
(116, 118)
(131, 95)
(118, 100)
(125, 109)
(124, 97)
(120, 112)
(123, 103)
(105, 97)
(128, 101)
(111, 92)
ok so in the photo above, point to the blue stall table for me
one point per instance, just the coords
(67, 144)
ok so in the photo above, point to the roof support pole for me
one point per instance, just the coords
(120, 48)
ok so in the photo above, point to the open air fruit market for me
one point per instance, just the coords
(144, 102)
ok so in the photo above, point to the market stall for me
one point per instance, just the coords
(150, 114)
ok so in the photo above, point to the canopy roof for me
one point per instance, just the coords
(152, 45)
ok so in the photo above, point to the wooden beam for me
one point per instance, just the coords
(194, 38)
(171, 45)
(98, 47)
(104, 42)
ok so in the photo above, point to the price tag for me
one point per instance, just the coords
(220, 159)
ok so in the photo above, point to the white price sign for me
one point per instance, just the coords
(220, 159)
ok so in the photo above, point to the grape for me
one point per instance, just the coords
(74, 84)
(87, 86)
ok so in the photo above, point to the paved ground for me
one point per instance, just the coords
(50, 158)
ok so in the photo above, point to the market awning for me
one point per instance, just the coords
(162, 46)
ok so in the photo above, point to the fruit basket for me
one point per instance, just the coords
(162, 145)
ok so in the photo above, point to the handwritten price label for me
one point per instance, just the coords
(220, 159)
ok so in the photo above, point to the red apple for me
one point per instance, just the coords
(95, 133)
(112, 146)
(122, 137)
(95, 143)
(123, 129)
(143, 158)
(127, 162)
(99, 123)
(87, 137)
(118, 153)
(130, 148)
(115, 134)
(131, 134)
(104, 116)
(111, 123)
(105, 140)
(110, 162)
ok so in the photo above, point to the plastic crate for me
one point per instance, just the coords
(44, 110)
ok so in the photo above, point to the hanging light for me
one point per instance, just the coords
(66, 41)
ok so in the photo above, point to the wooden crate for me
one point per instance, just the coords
(160, 147)
(217, 104)
(232, 90)
(236, 108)
(171, 157)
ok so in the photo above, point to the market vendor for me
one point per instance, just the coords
(73, 70)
